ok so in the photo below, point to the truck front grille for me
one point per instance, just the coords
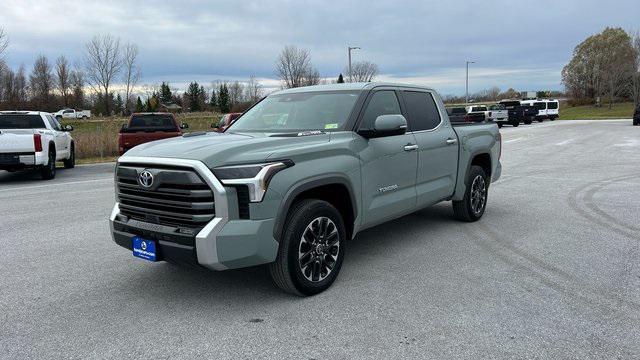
(177, 197)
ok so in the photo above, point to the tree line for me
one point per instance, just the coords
(106, 81)
(605, 65)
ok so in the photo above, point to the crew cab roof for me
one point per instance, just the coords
(347, 86)
(24, 112)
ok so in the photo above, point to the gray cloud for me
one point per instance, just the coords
(516, 44)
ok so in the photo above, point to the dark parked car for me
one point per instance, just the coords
(145, 127)
(519, 112)
(636, 116)
(459, 115)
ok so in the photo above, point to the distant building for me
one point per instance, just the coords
(170, 107)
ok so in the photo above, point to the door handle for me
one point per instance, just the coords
(451, 141)
(411, 147)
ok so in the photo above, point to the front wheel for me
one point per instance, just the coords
(472, 206)
(311, 248)
(515, 123)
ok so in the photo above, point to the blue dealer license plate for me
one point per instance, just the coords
(144, 249)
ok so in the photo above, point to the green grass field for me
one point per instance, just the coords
(588, 112)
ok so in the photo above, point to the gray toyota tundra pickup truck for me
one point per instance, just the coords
(298, 176)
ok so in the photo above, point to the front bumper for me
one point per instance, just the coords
(226, 242)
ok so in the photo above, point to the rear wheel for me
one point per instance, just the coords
(515, 123)
(527, 122)
(70, 163)
(48, 171)
(311, 248)
(472, 206)
(636, 122)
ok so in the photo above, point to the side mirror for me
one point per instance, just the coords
(386, 125)
(184, 126)
(68, 128)
(214, 126)
(124, 127)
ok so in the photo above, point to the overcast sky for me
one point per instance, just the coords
(519, 44)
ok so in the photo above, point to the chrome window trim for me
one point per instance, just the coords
(206, 239)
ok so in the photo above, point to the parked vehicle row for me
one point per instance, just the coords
(297, 176)
(512, 112)
(34, 140)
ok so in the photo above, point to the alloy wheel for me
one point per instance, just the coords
(478, 194)
(319, 248)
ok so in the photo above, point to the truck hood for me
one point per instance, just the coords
(216, 149)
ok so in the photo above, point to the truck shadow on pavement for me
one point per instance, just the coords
(253, 286)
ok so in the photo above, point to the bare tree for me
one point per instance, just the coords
(363, 71)
(253, 89)
(102, 64)
(294, 68)
(236, 93)
(63, 78)
(493, 93)
(131, 71)
(4, 42)
(41, 82)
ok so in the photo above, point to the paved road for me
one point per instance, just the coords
(551, 271)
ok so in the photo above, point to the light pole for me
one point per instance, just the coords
(466, 96)
(351, 48)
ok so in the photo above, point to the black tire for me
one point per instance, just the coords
(48, 171)
(287, 271)
(467, 209)
(636, 122)
(528, 122)
(70, 163)
(515, 123)
(540, 119)
(499, 125)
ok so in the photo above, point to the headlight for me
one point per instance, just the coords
(255, 176)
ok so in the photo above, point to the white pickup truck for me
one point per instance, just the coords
(72, 114)
(34, 140)
(500, 115)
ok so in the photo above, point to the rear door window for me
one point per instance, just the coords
(422, 110)
(21, 121)
(383, 102)
(552, 105)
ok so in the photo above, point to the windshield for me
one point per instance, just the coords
(327, 110)
(540, 105)
(157, 122)
(18, 121)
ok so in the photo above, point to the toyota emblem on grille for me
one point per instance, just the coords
(145, 178)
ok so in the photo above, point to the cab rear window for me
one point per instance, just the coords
(21, 121)
(152, 122)
(552, 105)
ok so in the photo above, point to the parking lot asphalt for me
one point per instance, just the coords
(551, 271)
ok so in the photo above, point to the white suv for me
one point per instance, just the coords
(36, 140)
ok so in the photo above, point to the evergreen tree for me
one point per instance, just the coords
(213, 101)
(202, 97)
(165, 93)
(119, 105)
(193, 96)
(139, 105)
(340, 79)
(223, 98)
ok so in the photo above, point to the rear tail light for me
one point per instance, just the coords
(37, 142)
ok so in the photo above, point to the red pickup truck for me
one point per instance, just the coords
(145, 127)
(225, 121)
